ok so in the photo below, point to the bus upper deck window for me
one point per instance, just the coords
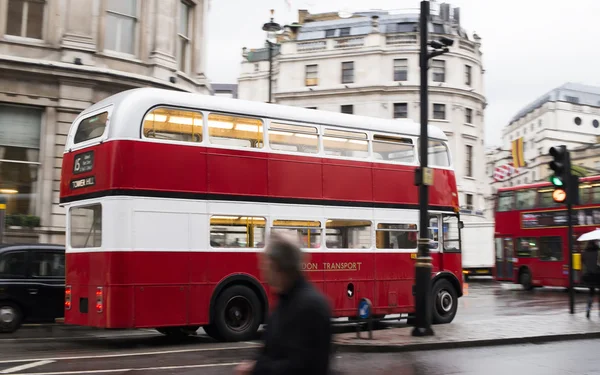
(91, 127)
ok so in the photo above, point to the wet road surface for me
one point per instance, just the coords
(68, 350)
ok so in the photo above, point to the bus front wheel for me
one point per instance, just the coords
(238, 311)
(444, 302)
(525, 279)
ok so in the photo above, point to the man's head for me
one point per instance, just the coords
(281, 262)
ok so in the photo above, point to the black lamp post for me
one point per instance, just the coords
(423, 179)
(271, 28)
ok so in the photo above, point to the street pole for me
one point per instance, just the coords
(571, 190)
(270, 70)
(423, 264)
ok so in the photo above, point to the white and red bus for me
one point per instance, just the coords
(170, 196)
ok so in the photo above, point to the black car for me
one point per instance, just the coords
(32, 284)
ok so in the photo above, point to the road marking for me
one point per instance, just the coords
(133, 369)
(90, 337)
(25, 367)
(128, 354)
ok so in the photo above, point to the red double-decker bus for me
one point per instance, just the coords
(170, 197)
(531, 237)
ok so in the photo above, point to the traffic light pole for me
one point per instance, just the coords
(570, 233)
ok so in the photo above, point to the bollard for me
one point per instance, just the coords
(2, 218)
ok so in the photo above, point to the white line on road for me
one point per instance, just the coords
(25, 367)
(133, 369)
(129, 354)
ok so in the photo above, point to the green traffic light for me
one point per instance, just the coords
(556, 181)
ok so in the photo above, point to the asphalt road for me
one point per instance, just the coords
(68, 350)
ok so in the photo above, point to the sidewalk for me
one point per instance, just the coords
(501, 331)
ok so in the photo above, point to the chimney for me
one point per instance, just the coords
(375, 23)
(457, 16)
(302, 15)
(445, 12)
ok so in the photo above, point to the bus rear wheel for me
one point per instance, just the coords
(237, 314)
(444, 302)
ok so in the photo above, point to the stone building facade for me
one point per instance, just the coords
(57, 57)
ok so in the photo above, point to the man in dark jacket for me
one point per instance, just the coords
(298, 337)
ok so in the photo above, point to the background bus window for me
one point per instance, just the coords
(451, 233)
(505, 201)
(236, 131)
(438, 154)
(545, 198)
(237, 231)
(308, 232)
(348, 234)
(91, 127)
(345, 143)
(595, 192)
(173, 125)
(526, 199)
(294, 138)
(527, 248)
(394, 148)
(86, 226)
(396, 236)
(585, 193)
(551, 249)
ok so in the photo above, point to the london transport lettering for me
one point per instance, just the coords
(344, 266)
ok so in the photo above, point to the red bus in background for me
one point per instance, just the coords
(531, 239)
(170, 197)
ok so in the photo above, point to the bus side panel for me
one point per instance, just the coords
(237, 172)
(394, 274)
(166, 167)
(347, 180)
(295, 177)
(386, 182)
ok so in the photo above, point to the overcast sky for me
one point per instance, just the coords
(529, 46)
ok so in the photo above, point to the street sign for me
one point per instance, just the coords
(364, 308)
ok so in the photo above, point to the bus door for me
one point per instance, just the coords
(504, 258)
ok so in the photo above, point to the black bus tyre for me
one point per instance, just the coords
(444, 302)
(525, 279)
(212, 331)
(11, 317)
(238, 314)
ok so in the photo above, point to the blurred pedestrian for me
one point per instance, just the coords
(298, 337)
(591, 272)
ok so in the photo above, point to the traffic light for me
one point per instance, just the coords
(562, 178)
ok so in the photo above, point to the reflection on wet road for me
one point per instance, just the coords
(69, 350)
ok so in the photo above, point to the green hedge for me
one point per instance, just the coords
(19, 220)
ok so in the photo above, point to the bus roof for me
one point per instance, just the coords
(544, 184)
(143, 99)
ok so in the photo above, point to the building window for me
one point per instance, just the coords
(468, 75)
(572, 99)
(329, 33)
(438, 67)
(25, 18)
(469, 161)
(439, 111)
(311, 72)
(345, 31)
(120, 26)
(595, 123)
(348, 108)
(469, 201)
(311, 107)
(400, 69)
(184, 55)
(577, 120)
(348, 72)
(19, 158)
(468, 115)
(400, 110)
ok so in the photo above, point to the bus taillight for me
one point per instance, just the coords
(68, 297)
(99, 299)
